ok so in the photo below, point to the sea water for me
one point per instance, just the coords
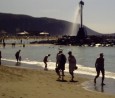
(32, 55)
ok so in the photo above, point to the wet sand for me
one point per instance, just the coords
(86, 84)
(30, 83)
(108, 88)
(20, 65)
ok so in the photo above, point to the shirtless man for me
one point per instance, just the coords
(99, 65)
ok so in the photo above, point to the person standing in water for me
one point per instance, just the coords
(45, 60)
(17, 55)
(99, 65)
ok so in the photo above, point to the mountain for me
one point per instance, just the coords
(13, 24)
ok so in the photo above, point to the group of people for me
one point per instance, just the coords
(61, 61)
(60, 64)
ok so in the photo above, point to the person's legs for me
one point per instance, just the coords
(72, 75)
(0, 61)
(58, 72)
(17, 58)
(62, 74)
(98, 73)
(103, 76)
(45, 65)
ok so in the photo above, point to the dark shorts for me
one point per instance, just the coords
(102, 70)
(61, 67)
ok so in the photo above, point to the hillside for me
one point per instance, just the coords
(17, 23)
(13, 23)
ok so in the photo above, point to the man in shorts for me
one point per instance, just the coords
(99, 65)
(60, 64)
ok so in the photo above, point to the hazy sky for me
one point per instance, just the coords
(98, 15)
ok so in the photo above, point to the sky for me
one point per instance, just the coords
(98, 15)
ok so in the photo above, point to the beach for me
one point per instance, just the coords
(31, 83)
(28, 79)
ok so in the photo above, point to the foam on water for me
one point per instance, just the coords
(25, 62)
(51, 65)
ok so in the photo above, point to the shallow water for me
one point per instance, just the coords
(86, 56)
(108, 88)
(32, 57)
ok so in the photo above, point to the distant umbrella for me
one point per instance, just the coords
(44, 33)
(23, 33)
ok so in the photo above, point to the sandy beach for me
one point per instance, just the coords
(29, 83)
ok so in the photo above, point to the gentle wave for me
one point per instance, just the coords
(52, 65)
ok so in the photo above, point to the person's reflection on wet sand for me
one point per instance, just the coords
(96, 88)
(99, 88)
(102, 88)
(18, 64)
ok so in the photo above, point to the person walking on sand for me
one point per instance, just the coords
(45, 60)
(72, 65)
(17, 55)
(99, 65)
(60, 66)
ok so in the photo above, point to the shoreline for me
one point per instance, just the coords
(75, 88)
(30, 83)
(88, 85)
